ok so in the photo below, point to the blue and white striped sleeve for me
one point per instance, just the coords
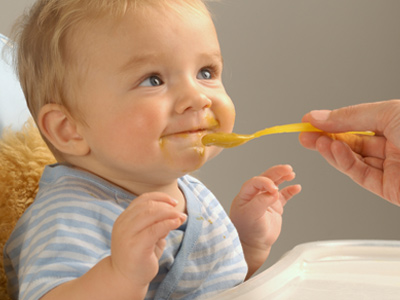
(56, 241)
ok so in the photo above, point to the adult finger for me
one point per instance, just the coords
(340, 156)
(381, 117)
(366, 146)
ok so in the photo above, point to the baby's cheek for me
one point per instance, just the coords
(227, 109)
(228, 115)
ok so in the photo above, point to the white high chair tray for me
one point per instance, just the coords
(350, 269)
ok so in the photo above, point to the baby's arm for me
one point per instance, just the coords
(137, 243)
(257, 211)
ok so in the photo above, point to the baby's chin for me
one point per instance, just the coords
(197, 158)
(186, 154)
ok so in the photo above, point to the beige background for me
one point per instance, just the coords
(282, 59)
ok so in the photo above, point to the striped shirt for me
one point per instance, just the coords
(67, 230)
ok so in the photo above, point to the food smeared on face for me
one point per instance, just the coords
(188, 145)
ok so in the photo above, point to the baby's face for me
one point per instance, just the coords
(152, 88)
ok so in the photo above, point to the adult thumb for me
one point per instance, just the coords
(383, 118)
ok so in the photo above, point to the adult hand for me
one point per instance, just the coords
(371, 161)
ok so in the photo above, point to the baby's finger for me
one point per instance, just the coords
(143, 249)
(161, 229)
(288, 192)
(288, 177)
(262, 202)
(159, 247)
(280, 173)
(257, 185)
(149, 204)
(150, 229)
(144, 215)
(152, 239)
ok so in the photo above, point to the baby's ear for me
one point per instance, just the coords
(61, 130)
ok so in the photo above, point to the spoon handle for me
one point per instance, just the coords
(299, 127)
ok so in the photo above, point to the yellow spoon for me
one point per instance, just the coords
(229, 140)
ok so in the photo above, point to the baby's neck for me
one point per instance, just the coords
(181, 207)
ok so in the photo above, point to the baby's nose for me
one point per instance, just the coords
(192, 99)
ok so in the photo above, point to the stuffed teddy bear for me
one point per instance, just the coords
(23, 156)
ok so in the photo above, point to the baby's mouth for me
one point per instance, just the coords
(199, 132)
(193, 133)
(187, 138)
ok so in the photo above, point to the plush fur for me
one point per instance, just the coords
(23, 156)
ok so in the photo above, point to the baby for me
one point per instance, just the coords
(123, 91)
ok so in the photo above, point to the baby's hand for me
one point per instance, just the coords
(257, 211)
(138, 237)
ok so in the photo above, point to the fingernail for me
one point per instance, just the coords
(320, 115)
(183, 216)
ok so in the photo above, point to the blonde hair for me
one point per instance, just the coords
(42, 35)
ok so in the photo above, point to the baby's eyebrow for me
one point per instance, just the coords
(215, 56)
(136, 61)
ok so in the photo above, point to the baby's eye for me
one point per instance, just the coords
(152, 81)
(204, 74)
